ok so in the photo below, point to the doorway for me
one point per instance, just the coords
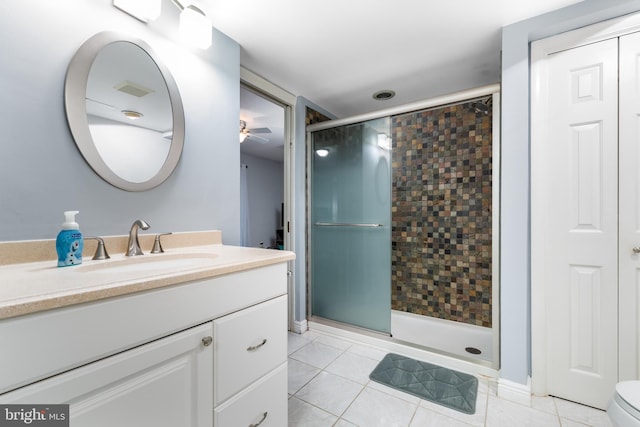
(267, 96)
(262, 140)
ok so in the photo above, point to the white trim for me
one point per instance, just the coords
(495, 229)
(276, 92)
(389, 344)
(300, 327)
(288, 101)
(515, 392)
(415, 106)
(540, 51)
(591, 34)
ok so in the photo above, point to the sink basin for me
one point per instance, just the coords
(150, 263)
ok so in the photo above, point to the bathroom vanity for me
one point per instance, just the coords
(196, 336)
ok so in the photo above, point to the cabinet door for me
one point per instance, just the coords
(248, 344)
(168, 382)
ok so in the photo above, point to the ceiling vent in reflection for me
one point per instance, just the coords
(133, 89)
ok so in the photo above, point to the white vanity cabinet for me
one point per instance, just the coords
(210, 352)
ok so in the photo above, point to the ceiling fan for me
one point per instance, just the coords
(251, 133)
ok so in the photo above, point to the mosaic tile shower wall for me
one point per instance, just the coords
(441, 214)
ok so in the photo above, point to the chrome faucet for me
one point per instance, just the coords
(133, 248)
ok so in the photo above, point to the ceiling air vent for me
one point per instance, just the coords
(133, 89)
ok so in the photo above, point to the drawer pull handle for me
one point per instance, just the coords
(255, 347)
(264, 417)
(206, 341)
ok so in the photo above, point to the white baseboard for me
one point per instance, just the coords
(515, 392)
(300, 327)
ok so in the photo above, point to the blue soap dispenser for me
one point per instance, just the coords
(69, 242)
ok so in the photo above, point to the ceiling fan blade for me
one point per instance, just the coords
(257, 138)
(260, 130)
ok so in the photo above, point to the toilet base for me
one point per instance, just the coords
(619, 417)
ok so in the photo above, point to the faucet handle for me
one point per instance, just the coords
(101, 250)
(157, 245)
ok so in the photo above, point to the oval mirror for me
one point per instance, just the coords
(124, 111)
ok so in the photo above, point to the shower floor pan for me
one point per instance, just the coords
(445, 335)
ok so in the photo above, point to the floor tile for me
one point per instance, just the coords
(501, 413)
(373, 408)
(427, 418)
(338, 343)
(394, 392)
(351, 366)
(344, 423)
(583, 414)
(304, 414)
(568, 423)
(295, 342)
(299, 374)
(544, 404)
(330, 392)
(475, 419)
(316, 354)
(327, 379)
(374, 353)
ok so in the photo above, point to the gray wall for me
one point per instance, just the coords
(265, 186)
(515, 283)
(42, 173)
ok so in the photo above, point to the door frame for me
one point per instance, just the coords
(540, 52)
(288, 101)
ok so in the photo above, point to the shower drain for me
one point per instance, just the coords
(472, 350)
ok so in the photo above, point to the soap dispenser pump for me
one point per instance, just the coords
(69, 242)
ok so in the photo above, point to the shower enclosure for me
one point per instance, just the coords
(351, 224)
(402, 214)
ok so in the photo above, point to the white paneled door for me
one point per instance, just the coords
(629, 258)
(581, 241)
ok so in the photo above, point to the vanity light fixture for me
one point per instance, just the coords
(133, 115)
(195, 27)
(144, 10)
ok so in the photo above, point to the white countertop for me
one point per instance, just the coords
(36, 286)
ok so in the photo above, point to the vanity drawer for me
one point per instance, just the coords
(264, 403)
(248, 344)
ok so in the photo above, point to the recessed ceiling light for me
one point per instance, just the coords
(133, 115)
(383, 95)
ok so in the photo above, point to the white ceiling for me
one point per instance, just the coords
(337, 53)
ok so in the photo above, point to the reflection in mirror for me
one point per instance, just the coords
(129, 111)
(124, 111)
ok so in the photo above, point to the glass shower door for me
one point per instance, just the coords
(350, 259)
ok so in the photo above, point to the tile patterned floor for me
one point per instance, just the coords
(329, 386)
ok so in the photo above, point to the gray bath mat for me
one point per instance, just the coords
(440, 385)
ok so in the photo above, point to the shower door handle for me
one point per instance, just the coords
(346, 224)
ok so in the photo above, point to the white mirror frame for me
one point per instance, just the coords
(75, 107)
